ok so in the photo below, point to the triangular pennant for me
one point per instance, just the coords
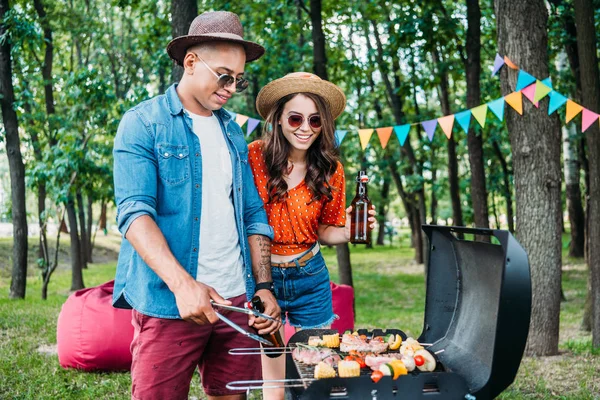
(510, 63)
(429, 127)
(557, 100)
(498, 63)
(529, 92)
(479, 113)
(541, 91)
(365, 136)
(251, 126)
(401, 132)
(463, 119)
(524, 80)
(241, 119)
(339, 136)
(547, 82)
(446, 123)
(515, 100)
(572, 110)
(497, 107)
(233, 114)
(384, 135)
(587, 119)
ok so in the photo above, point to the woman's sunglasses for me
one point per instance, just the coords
(295, 121)
(225, 80)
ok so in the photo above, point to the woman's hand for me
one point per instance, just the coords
(347, 227)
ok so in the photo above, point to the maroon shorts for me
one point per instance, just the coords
(167, 351)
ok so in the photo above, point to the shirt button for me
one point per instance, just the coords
(196, 219)
(195, 249)
(180, 155)
(248, 275)
(197, 185)
(166, 154)
(197, 155)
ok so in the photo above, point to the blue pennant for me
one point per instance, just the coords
(401, 132)
(557, 100)
(497, 107)
(339, 136)
(463, 119)
(524, 80)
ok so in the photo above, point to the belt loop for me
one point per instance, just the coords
(297, 263)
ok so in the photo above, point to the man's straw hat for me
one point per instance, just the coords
(300, 82)
(220, 26)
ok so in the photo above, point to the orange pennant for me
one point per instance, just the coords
(510, 63)
(572, 110)
(446, 123)
(384, 135)
(515, 100)
(365, 136)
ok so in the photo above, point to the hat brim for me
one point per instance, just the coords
(272, 92)
(177, 48)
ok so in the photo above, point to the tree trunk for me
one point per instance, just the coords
(343, 259)
(102, 223)
(474, 142)
(319, 54)
(76, 270)
(590, 96)
(15, 163)
(383, 209)
(535, 142)
(574, 206)
(434, 201)
(510, 218)
(183, 13)
(90, 221)
(83, 237)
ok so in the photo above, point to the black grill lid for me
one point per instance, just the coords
(478, 306)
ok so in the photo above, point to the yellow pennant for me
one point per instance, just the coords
(447, 123)
(515, 100)
(384, 135)
(241, 119)
(480, 113)
(572, 110)
(365, 136)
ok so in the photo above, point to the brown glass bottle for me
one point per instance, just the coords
(274, 338)
(360, 231)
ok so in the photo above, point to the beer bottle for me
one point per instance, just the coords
(274, 338)
(360, 231)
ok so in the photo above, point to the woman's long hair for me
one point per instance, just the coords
(321, 158)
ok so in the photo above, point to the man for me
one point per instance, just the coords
(194, 228)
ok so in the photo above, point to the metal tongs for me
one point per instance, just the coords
(239, 328)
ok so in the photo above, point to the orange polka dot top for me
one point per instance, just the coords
(294, 220)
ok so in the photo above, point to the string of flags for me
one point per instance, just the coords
(527, 85)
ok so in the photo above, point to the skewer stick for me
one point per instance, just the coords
(439, 351)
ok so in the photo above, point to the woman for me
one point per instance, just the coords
(301, 182)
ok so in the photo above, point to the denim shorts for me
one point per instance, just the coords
(304, 294)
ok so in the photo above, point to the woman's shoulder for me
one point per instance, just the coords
(256, 146)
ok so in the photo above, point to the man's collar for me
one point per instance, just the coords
(176, 107)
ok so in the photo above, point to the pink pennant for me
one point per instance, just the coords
(529, 92)
(587, 119)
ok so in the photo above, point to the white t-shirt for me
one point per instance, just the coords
(220, 262)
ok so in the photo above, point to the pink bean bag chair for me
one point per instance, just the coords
(343, 303)
(91, 334)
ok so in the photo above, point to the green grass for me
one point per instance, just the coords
(389, 292)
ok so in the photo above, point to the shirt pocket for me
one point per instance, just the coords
(173, 163)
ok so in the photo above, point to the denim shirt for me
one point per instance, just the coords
(158, 172)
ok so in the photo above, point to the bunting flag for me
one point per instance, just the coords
(498, 63)
(572, 110)
(241, 119)
(251, 126)
(401, 132)
(464, 118)
(557, 100)
(541, 91)
(524, 80)
(365, 136)
(497, 107)
(515, 100)
(479, 113)
(429, 127)
(547, 82)
(587, 119)
(529, 92)
(446, 123)
(510, 63)
(384, 135)
(339, 136)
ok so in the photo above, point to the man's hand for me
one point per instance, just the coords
(265, 326)
(193, 301)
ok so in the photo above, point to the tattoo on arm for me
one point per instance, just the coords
(260, 251)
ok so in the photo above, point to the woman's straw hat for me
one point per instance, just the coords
(300, 82)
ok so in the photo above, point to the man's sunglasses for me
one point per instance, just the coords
(295, 121)
(225, 80)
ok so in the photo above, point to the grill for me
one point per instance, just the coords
(477, 312)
